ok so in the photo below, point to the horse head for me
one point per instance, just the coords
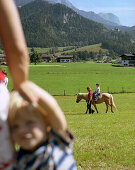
(78, 98)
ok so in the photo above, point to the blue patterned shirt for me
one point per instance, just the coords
(53, 154)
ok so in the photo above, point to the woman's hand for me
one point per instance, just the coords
(29, 91)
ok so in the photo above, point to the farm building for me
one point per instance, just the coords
(64, 59)
(128, 60)
(47, 57)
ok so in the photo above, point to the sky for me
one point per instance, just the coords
(123, 9)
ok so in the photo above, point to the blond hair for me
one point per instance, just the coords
(19, 107)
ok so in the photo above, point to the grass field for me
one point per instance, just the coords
(103, 140)
(75, 77)
(89, 48)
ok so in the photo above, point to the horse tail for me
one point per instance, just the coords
(112, 102)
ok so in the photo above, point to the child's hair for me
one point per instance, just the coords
(88, 88)
(19, 106)
(97, 84)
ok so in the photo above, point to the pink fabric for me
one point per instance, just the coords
(2, 77)
(5, 146)
(90, 95)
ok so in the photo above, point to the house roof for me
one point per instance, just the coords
(65, 57)
(128, 55)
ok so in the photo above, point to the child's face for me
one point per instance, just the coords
(28, 132)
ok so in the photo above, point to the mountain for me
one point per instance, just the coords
(48, 25)
(95, 17)
(53, 25)
(64, 2)
(22, 2)
(89, 15)
(110, 17)
(130, 30)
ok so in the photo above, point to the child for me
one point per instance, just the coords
(90, 96)
(5, 151)
(97, 92)
(40, 129)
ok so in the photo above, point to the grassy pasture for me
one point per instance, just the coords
(74, 77)
(89, 48)
(44, 50)
(103, 140)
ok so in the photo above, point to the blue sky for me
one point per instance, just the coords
(124, 9)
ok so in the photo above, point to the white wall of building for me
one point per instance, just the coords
(125, 63)
(64, 60)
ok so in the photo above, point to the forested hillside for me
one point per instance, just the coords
(49, 25)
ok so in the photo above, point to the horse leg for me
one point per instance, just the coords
(86, 110)
(112, 109)
(106, 107)
(95, 107)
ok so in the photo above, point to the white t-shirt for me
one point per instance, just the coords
(98, 90)
(5, 146)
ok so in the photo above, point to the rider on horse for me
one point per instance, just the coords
(97, 92)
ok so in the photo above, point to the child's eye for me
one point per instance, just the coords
(15, 127)
(30, 122)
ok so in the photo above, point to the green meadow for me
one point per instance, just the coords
(89, 48)
(103, 140)
(75, 77)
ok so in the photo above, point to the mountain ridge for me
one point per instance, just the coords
(55, 25)
(89, 15)
(110, 17)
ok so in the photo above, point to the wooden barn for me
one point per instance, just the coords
(127, 60)
(47, 57)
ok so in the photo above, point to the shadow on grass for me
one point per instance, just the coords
(116, 65)
(81, 114)
(74, 114)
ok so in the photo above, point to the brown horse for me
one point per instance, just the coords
(104, 97)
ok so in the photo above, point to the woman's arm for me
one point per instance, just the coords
(13, 41)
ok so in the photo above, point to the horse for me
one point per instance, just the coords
(103, 97)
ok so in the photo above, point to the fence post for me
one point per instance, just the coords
(108, 89)
(122, 89)
(64, 93)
